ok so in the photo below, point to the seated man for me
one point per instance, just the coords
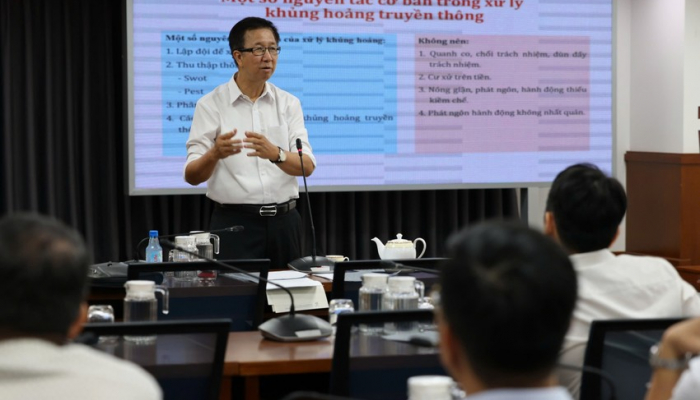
(43, 283)
(584, 211)
(507, 294)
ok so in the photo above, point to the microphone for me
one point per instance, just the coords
(287, 328)
(306, 264)
(235, 228)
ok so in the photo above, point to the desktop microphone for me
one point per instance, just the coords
(305, 264)
(235, 228)
(287, 328)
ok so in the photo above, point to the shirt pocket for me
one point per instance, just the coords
(278, 135)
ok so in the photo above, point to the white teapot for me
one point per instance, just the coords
(398, 249)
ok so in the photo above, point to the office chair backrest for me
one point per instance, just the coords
(242, 301)
(348, 289)
(368, 366)
(185, 357)
(620, 348)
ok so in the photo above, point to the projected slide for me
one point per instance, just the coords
(396, 94)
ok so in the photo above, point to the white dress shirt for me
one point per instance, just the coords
(551, 393)
(240, 179)
(621, 287)
(38, 369)
(688, 387)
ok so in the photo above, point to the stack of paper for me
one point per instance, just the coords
(308, 294)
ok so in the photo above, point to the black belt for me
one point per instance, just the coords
(264, 210)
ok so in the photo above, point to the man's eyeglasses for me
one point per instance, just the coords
(259, 51)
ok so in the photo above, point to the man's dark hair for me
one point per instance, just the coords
(507, 293)
(43, 275)
(236, 38)
(587, 206)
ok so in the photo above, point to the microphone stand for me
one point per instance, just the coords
(305, 264)
(393, 266)
(235, 228)
(288, 328)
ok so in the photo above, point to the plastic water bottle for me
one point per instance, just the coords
(154, 253)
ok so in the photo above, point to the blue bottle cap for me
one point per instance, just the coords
(153, 233)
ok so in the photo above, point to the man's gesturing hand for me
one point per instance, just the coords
(261, 146)
(225, 145)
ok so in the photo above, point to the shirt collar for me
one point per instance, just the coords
(235, 92)
(582, 260)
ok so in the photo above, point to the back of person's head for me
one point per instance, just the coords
(43, 275)
(507, 295)
(587, 207)
(236, 37)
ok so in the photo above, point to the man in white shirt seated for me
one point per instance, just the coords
(43, 284)
(506, 298)
(584, 210)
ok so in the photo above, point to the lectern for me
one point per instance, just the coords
(663, 216)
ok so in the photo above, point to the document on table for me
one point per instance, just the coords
(308, 294)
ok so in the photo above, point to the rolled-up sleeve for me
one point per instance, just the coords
(297, 130)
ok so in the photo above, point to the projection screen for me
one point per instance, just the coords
(396, 94)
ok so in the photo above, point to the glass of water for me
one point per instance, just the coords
(100, 313)
(336, 307)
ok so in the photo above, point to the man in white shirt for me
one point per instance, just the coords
(240, 141)
(506, 298)
(43, 284)
(584, 210)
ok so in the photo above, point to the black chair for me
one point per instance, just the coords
(620, 349)
(343, 289)
(185, 357)
(242, 301)
(367, 366)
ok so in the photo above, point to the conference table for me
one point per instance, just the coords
(250, 356)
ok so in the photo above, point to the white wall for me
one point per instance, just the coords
(691, 77)
(657, 48)
(622, 107)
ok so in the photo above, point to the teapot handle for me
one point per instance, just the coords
(425, 246)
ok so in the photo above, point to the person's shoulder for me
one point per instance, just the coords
(641, 261)
(96, 357)
(103, 367)
(281, 94)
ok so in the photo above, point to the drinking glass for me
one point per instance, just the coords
(100, 313)
(338, 306)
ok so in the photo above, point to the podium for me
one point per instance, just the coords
(663, 214)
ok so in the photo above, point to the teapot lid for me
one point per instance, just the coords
(399, 242)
